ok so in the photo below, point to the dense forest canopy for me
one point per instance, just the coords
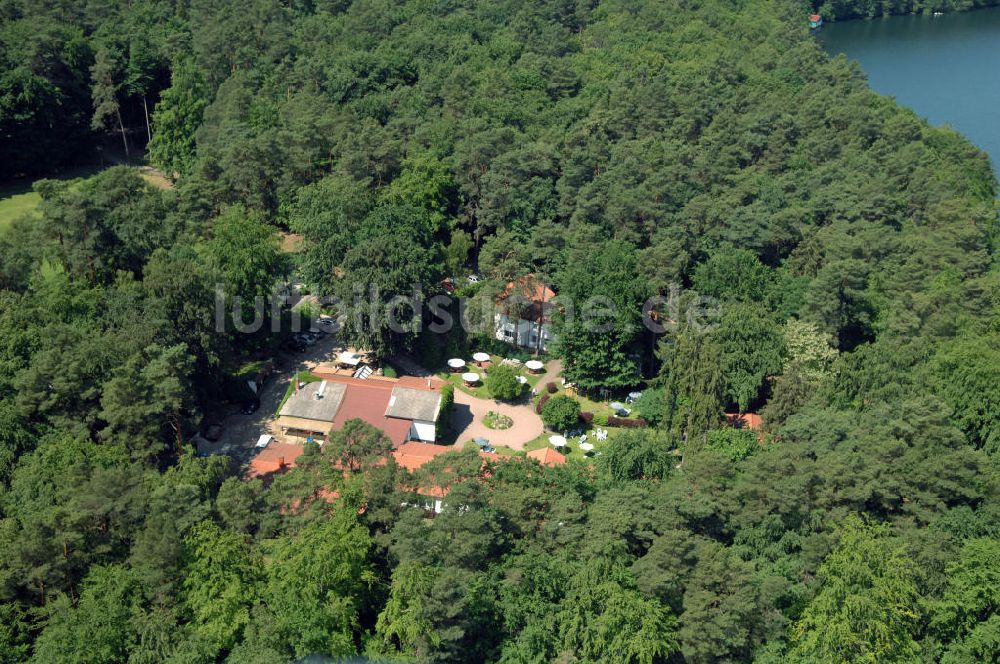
(618, 148)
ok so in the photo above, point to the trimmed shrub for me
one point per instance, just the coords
(601, 419)
(587, 417)
(561, 412)
(551, 387)
(651, 405)
(627, 422)
(541, 402)
(501, 381)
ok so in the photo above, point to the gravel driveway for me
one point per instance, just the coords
(240, 432)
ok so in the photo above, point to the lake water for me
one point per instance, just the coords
(946, 68)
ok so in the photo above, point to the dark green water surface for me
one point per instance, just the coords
(946, 68)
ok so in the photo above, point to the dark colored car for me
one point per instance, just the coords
(250, 407)
(295, 345)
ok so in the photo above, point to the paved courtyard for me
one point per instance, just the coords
(469, 411)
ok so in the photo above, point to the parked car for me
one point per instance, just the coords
(325, 324)
(295, 345)
(308, 338)
(250, 406)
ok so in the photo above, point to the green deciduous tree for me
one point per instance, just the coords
(638, 455)
(404, 623)
(222, 579)
(561, 412)
(391, 260)
(98, 628)
(694, 384)
(245, 251)
(176, 118)
(808, 350)
(317, 584)
(737, 444)
(866, 608)
(752, 348)
(733, 274)
(966, 617)
(602, 294)
(965, 371)
(603, 618)
(146, 403)
(501, 381)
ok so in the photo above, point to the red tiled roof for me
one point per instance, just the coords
(751, 421)
(368, 400)
(535, 296)
(273, 459)
(529, 288)
(814, 17)
(547, 456)
(416, 382)
(413, 455)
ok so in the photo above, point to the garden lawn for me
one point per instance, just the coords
(19, 197)
(480, 390)
(572, 450)
(14, 205)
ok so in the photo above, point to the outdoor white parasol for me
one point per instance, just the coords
(481, 357)
(557, 441)
(534, 365)
(470, 378)
(456, 363)
(587, 447)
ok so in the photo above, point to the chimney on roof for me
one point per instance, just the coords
(321, 390)
(281, 462)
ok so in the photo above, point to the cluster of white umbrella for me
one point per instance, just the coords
(560, 442)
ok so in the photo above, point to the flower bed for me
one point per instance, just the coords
(497, 421)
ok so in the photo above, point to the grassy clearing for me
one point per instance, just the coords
(15, 205)
(18, 198)
(157, 179)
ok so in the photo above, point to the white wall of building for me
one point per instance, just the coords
(523, 333)
(424, 431)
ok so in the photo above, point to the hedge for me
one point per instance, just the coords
(444, 415)
(541, 402)
(626, 422)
